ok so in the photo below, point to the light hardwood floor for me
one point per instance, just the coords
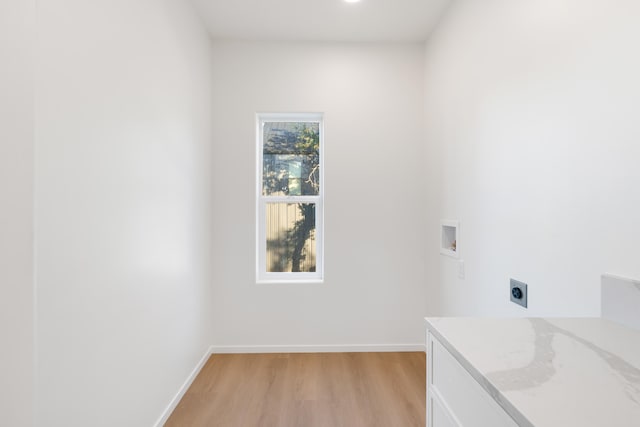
(306, 390)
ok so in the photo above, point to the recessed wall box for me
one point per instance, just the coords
(450, 238)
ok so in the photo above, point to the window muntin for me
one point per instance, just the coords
(290, 197)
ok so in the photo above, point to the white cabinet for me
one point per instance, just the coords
(454, 397)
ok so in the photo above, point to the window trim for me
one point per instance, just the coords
(262, 276)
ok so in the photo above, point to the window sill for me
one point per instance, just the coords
(289, 281)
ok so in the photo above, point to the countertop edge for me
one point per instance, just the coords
(495, 394)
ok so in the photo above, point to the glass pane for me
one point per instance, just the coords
(291, 237)
(291, 159)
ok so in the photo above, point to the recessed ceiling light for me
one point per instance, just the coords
(352, 1)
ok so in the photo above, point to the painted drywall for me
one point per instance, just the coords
(17, 33)
(123, 208)
(371, 96)
(532, 109)
(333, 21)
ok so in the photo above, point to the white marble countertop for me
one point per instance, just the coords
(582, 372)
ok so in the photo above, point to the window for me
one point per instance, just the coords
(289, 197)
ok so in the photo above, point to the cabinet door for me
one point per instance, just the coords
(453, 391)
(439, 416)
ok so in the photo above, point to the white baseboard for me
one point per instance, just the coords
(353, 348)
(183, 389)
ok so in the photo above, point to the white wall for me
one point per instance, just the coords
(123, 208)
(16, 213)
(375, 199)
(533, 112)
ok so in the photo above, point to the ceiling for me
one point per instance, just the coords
(321, 20)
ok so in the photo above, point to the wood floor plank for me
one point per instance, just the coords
(306, 390)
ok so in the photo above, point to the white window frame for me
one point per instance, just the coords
(262, 276)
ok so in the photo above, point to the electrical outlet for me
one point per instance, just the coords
(461, 269)
(518, 292)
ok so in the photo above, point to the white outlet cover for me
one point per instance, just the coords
(461, 269)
